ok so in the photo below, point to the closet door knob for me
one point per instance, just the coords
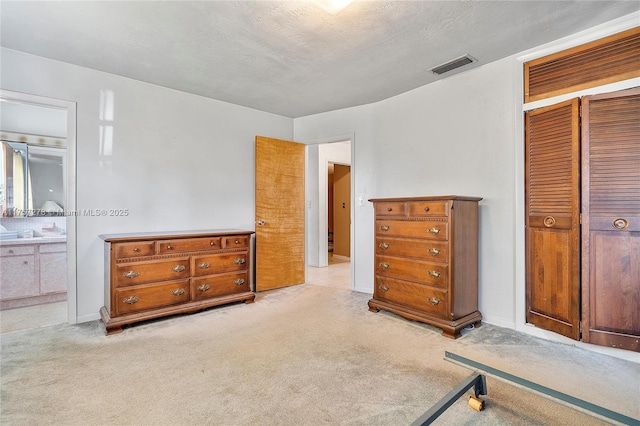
(620, 223)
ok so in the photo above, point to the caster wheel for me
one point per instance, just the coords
(476, 403)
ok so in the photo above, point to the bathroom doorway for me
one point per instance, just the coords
(37, 193)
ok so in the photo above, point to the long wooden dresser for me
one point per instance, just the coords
(426, 260)
(152, 275)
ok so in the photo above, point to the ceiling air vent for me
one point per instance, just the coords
(451, 65)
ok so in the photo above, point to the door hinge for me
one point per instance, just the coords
(580, 218)
(580, 323)
(580, 111)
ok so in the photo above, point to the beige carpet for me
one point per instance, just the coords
(304, 355)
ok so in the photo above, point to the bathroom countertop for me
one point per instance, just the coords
(34, 240)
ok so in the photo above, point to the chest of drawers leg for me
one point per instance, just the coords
(151, 276)
(426, 260)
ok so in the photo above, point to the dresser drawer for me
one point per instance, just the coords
(150, 296)
(428, 208)
(217, 263)
(217, 285)
(413, 295)
(139, 248)
(134, 273)
(188, 244)
(437, 251)
(241, 241)
(417, 229)
(412, 269)
(17, 250)
(390, 209)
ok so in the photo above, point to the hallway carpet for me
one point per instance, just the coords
(303, 355)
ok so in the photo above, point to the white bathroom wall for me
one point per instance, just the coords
(153, 158)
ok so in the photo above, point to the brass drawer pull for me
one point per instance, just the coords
(384, 265)
(131, 274)
(426, 209)
(130, 300)
(239, 281)
(239, 261)
(384, 228)
(389, 209)
(434, 231)
(204, 265)
(620, 223)
(204, 287)
(383, 287)
(433, 274)
(434, 251)
(212, 243)
(383, 246)
(169, 247)
(178, 292)
(237, 241)
(433, 300)
(136, 249)
(178, 268)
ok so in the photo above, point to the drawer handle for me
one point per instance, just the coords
(131, 274)
(433, 274)
(384, 265)
(130, 300)
(10, 251)
(204, 287)
(383, 288)
(620, 223)
(169, 247)
(433, 300)
(426, 209)
(434, 231)
(239, 281)
(434, 251)
(239, 261)
(212, 243)
(178, 292)
(384, 228)
(389, 209)
(383, 246)
(136, 249)
(237, 241)
(204, 265)
(549, 221)
(178, 268)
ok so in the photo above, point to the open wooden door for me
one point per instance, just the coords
(279, 213)
(553, 218)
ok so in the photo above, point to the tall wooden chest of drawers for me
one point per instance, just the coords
(426, 260)
(153, 275)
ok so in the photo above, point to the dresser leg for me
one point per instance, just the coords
(372, 307)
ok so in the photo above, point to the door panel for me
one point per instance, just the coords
(279, 213)
(611, 219)
(553, 218)
(342, 210)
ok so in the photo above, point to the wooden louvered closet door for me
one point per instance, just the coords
(611, 219)
(553, 218)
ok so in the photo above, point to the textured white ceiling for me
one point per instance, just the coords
(290, 57)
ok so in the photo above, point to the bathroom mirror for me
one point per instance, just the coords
(33, 180)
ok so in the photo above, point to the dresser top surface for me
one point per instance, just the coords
(136, 236)
(427, 198)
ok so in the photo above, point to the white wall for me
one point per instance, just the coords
(453, 137)
(354, 124)
(175, 161)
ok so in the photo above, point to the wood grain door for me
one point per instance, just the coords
(611, 219)
(552, 156)
(342, 210)
(279, 213)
